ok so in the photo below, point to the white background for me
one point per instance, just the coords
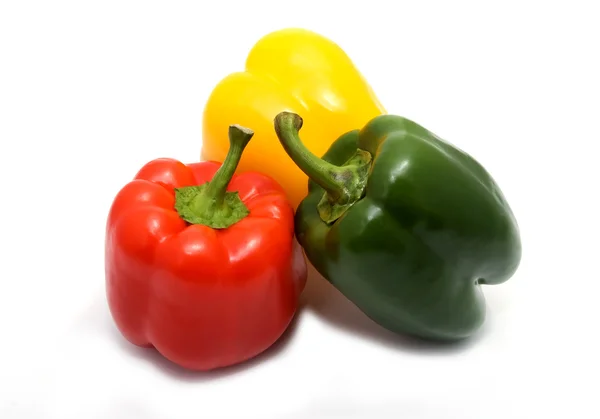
(90, 91)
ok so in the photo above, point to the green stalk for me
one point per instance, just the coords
(344, 185)
(211, 204)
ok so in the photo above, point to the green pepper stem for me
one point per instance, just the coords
(344, 185)
(239, 137)
(287, 126)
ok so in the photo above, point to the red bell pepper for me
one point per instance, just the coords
(201, 263)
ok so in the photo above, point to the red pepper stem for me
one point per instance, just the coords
(211, 204)
(239, 137)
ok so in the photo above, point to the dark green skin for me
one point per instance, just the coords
(431, 228)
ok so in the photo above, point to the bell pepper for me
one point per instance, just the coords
(295, 70)
(404, 224)
(201, 263)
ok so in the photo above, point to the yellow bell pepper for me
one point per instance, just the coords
(293, 70)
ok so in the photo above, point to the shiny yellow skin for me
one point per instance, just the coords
(293, 70)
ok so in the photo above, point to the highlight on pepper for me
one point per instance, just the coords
(405, 225)
(201, 262)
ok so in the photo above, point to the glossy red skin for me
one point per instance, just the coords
(204, 298)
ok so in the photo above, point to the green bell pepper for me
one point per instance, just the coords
(405, 225)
